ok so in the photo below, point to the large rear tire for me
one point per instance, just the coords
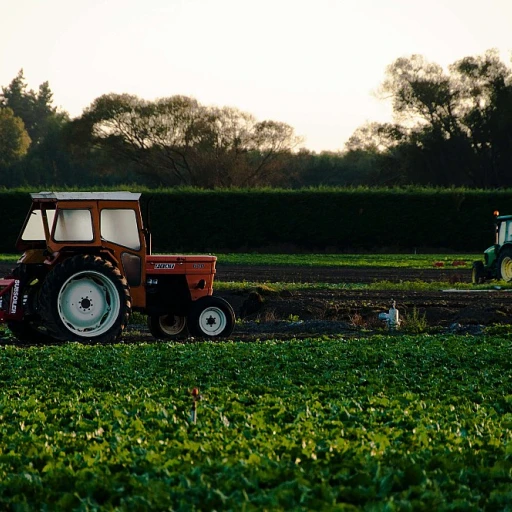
(85, 298)
(505, 264)
(168, 327)
(211, 317)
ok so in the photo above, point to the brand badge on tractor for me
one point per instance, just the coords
(165, 265)
(15, 296)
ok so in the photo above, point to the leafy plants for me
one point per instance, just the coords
(406, 422)
(418, 261)
(415, 322)
(423, 286)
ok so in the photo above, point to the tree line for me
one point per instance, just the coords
(450, 128)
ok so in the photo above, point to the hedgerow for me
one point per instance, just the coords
(324, 219)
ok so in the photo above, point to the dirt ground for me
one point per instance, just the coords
(325, 312)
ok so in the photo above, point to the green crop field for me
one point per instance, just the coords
(404, 286)
(380, 423)
(418, 261)
(9, 258)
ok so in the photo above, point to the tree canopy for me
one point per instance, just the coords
(34, 108)
(176, 140)
(14, 139)
(451, 127)
(37, 128)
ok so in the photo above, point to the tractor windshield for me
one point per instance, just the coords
(505, 232)
(34, 228)
(73, 225)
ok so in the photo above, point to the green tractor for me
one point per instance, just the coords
(497, 262)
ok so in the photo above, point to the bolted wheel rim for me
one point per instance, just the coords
(172, 324)
(506, 268)
(212, 321)
(88, 303)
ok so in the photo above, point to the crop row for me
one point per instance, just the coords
(407, 423)
(416, 261)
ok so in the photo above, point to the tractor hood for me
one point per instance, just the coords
(490, 255)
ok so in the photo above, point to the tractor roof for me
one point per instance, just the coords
(85, 196)
(504, 217)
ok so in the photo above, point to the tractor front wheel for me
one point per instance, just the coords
(168, 326)
(211, 317)
(505, 265)
(478, 273)
(85, 298)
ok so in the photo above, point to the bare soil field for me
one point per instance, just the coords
(325, 311)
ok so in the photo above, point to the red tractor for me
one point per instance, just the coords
(87, 264)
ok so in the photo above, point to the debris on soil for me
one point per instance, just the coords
(345, 310)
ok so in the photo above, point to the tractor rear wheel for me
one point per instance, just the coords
(211, 317)
(168, 326)
(505, 265)
(478, 273)
(85, 298)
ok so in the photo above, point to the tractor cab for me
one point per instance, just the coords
(503, 230)
(497, 262)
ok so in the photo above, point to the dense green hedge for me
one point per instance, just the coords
(326, 220)
(309, 219)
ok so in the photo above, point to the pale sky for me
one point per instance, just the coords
(310, 63)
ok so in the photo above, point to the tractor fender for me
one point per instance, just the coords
(68, 252)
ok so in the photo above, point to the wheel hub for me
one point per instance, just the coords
(212, 321)
(85, 304)
(172, 325)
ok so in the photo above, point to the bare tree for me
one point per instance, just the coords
(178, 140)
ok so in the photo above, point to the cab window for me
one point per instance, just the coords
(73, 226)
(505, 232)
(119, 226)
(34, 230)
